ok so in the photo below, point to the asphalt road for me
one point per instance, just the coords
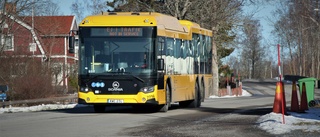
(223, 117)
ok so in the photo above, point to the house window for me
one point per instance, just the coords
(7, 42)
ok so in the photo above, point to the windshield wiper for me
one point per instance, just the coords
(119, 72)
(138, 78)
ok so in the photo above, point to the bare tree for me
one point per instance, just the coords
(97, 6)
(78, 9)
(47, 8)
(252, 51)
(38, 8)
(298, 30)
(221, 16)
(283, 29)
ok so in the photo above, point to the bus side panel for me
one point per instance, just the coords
(161, 96)
(183, 87)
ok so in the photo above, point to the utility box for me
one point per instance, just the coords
(310, 85)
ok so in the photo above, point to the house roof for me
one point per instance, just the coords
(51, 25)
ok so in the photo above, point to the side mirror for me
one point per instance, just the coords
(161, 64)
(71, 44)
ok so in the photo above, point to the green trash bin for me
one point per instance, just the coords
(310, 84)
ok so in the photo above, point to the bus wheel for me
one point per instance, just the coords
(197, 98)
(165, 108)
(99, 108)
(203, 92)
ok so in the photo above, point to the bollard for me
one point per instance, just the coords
(294, 98)
(303, 100)
(279, 105)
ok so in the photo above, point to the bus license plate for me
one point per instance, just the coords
(115, 100)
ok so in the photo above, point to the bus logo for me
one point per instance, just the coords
(115, 84)
(115, 87)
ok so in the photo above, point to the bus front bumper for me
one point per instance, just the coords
(140, 98)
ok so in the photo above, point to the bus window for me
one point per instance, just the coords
(106, 53)
(161, 46)
(177, 47)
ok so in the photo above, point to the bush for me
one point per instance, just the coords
(27, 78)
(73, 82)
(31, 87)
(35, 83)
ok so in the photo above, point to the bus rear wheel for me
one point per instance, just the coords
(99, 108)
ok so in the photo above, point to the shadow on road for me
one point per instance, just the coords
(80, 109)
(240, 111)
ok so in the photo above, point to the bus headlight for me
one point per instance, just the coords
(147, 89)
(84, 89)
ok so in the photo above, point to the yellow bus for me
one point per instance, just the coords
(142, 59)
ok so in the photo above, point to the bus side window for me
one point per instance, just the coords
(160, 45)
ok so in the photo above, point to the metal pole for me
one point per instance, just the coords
(282, 94)
(279, 64)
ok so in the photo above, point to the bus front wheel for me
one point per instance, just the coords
(165, 107)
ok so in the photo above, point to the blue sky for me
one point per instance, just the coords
(264, 14)
(64, 6)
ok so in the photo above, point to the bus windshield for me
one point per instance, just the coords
(113, 50)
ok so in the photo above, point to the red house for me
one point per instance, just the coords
(43, 38)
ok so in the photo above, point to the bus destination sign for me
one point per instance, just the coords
(117, 32)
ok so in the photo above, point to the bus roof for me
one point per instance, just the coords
(195, 28)
(166, 25)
